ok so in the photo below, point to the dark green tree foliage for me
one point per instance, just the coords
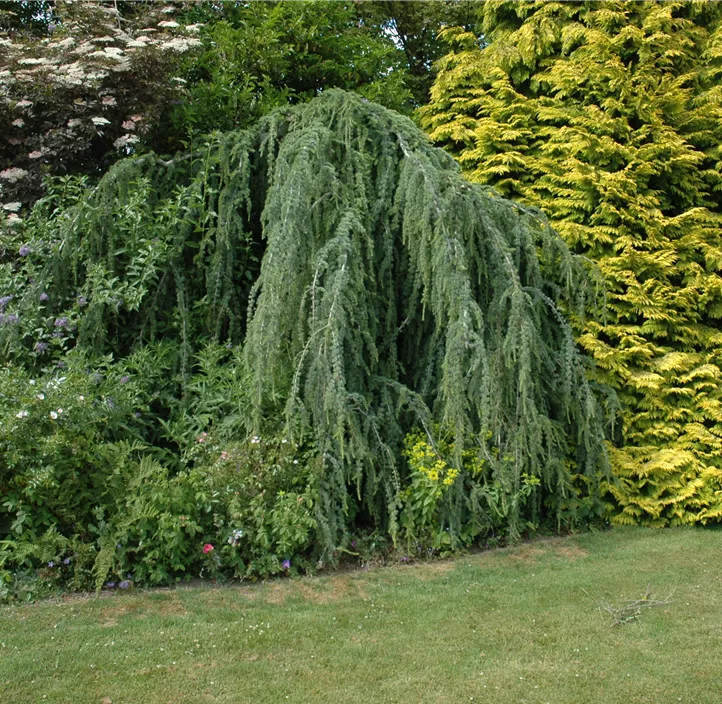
(25, 15)
(414, 26)
(261, 55)
(390, 294)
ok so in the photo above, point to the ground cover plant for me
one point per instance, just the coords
(516, 625)
(607, 116)
(278, 344)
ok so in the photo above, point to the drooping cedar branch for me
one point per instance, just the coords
(390, 293)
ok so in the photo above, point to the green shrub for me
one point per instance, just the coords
(445, 508)
(252, 501)
(58, 443)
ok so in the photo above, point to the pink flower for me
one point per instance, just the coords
(208, 548)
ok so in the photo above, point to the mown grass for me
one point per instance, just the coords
(518, 625)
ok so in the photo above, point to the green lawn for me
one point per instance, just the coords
(508, 626)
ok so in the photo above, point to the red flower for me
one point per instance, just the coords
(208, 548)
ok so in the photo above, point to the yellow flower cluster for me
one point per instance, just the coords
(423, 459)
(450, 476)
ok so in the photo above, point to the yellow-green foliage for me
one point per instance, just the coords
(437, 490)
(608, 116)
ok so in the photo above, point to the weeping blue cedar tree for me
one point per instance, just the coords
(374, 291)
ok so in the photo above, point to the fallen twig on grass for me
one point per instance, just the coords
(632, 610)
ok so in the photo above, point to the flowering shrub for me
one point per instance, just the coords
(269, 490)
(237, 513)
(431, 477)
(242, 512)
(80, 481)
(59, 436)
(94, 86)
(445, 506)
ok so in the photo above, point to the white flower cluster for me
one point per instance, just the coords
(125, 140)
(13, 174)
(181, 44)
(74, 62)
(235, 537)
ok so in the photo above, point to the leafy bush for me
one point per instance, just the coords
(251, 501)
(151, 527)
(260, 56)
(59, 435)
(447, 508)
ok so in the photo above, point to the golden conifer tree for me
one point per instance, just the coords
(608, 116)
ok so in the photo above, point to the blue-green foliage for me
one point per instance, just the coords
(271, 315)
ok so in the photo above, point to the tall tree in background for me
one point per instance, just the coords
(608, 116)
(261, 55)
(27, 16)
(414, 28)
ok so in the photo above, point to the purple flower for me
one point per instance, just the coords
(124, 584)
(66, 561)
(44, 297)
(4, 301)
(110, 585)
(124, 379)
(404, 559)
(41, 347)
(82, 301)
(286, 564)
(51, 564)
(61, 322)
(9, 319)
(24, 251)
